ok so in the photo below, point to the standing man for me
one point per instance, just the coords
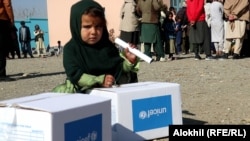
(129, 25)
(217, 26)
(6, 23)
(149, 10)
(199, 34)
(24, 39)
(15, 44)
(182, 38)
(237, 16)
(39, 39)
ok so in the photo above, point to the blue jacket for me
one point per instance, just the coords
(169, 29)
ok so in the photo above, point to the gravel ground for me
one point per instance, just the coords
(213, 92)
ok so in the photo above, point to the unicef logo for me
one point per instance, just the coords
(152, 112)
(90, 137)
(143, 115)
(93, 136)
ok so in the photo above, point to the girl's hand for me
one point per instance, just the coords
(108, 81)
(129, 55)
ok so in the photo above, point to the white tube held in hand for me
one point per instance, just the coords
(133, 50)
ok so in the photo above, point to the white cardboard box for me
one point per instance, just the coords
(56, 117)
(144, 110)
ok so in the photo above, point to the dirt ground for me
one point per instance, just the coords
(213, 92)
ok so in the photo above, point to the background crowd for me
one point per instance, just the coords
(216, 28)
(16, 40)
(219, 29)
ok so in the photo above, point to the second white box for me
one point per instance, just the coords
(144, 110)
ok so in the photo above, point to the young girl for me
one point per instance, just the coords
(90, 59)
(170, 29)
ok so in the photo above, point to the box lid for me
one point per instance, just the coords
(50, 103)
(10, 102)
(125, 88)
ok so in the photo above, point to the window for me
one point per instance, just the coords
(176, 4)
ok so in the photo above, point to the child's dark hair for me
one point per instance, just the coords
(96, 12)
(172, 9)
(169, 14)
(166, 20)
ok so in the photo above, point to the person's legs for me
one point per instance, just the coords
(3, 47)
(184, 44)
(2, 61)
(238, 45)
(191, 47)
(217, 49)
(24, 49)
(237, 48)
(166, 46)
(245, 51)
(147, 49)
(206, 45)
(29, 50)
(179, 42)
(12, 53)
(227, 47)
(239, 41)
(17, 49)
(187, 44)
(42, 47)
(178, 49)
(38, 48)
(160, 49)
(172, 49)
(196, 49)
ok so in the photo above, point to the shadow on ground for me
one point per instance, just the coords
(189, 121)
(33, 75)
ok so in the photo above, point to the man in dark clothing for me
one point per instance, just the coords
(14, 44)
(182, 37)
(199, 30)
(149, 11)
(24, 39)
(6, 22)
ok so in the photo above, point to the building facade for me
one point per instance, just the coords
(58, 17)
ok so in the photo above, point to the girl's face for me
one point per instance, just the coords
(170, 16)
(91, 29)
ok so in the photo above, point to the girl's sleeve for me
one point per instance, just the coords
(89, 81)
(86, 82)
(127, 66)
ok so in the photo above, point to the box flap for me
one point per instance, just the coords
(61, 103)
(125, 88)
(11, 102)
